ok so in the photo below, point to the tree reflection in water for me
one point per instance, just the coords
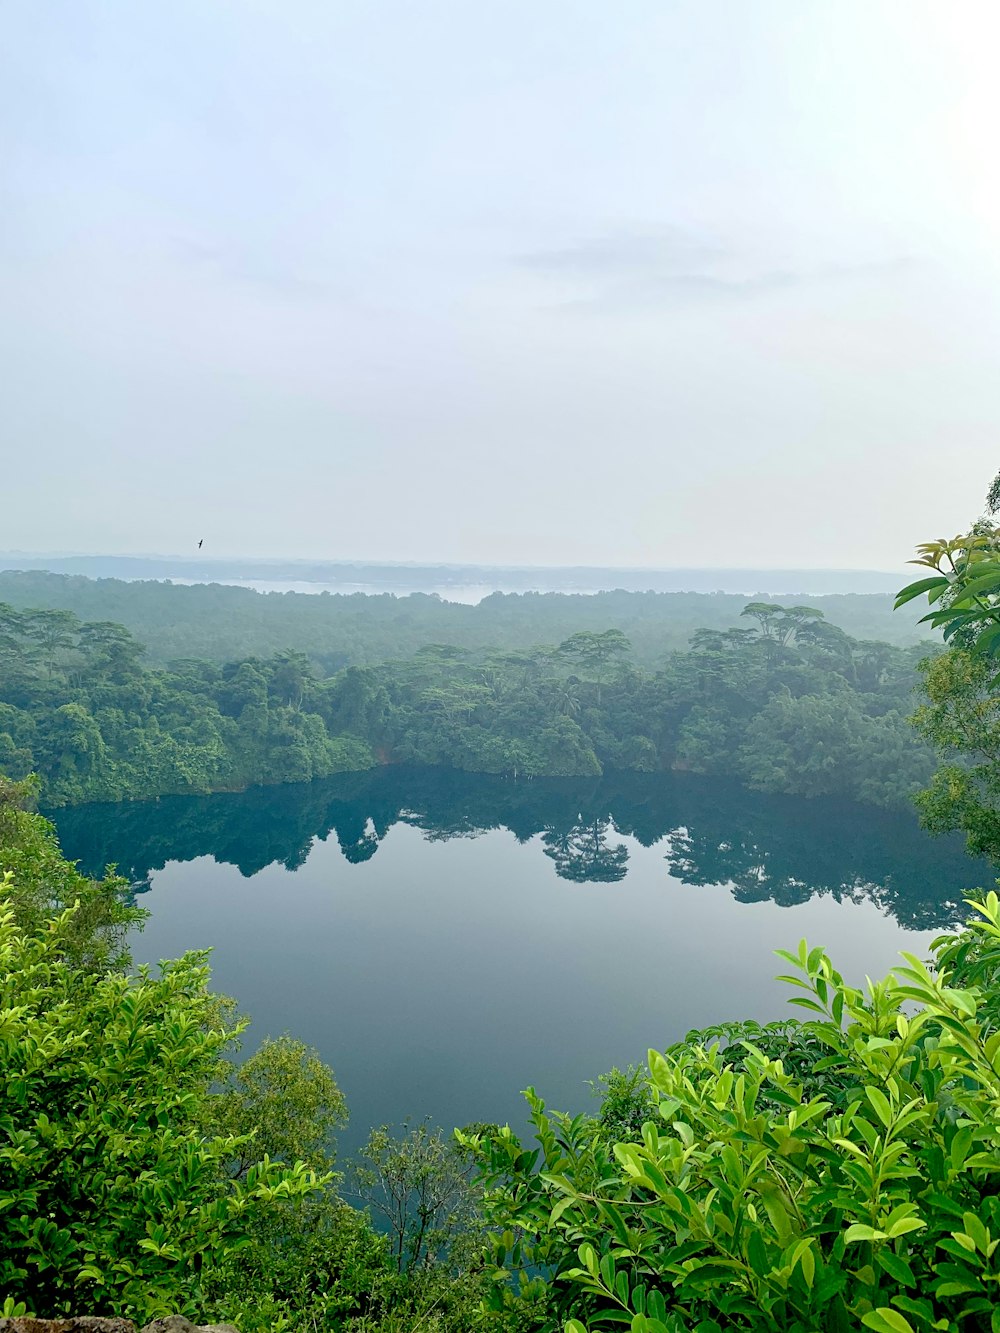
(584, 854)
(781, 849)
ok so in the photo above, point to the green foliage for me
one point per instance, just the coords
(44, 884)
(285, 1101)
(855, 1185)
(795, 707)
(961, 719)
(972, 958)
(112, 1197)
(305, 1265)
(79, 708)
(627, 1102)
(319, 1264)
(220, 623)
(436, 1300)
(791, 705)
(964, 590)
(417, 1184)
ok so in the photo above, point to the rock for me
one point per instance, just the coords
(81, 1324)
(176, 1323)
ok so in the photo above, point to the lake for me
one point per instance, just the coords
(445, 939)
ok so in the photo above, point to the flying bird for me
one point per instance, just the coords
(199, 544)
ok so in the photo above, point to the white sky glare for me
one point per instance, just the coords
(647, 284)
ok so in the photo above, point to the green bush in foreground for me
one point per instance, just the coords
(45, 884)
(861, 1191)
(112, 1197)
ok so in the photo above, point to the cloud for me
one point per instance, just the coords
(673, 267)
(238, 264)
(666, 249)
(684, 288)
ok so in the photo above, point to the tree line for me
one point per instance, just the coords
(222, 623)
(784, 702)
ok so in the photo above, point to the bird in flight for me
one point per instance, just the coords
(199, 544)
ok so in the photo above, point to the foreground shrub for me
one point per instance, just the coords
(45, 884)
(860, 1190)
(112, 1197)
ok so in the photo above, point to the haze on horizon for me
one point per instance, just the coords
(650, 285)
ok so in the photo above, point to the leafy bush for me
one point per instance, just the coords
(44, 884)
(310, 1264)
(857, 1187)
(417, 1183)
(285, 1101)
(112, 1198)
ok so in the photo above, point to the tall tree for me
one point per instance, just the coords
(596, 652)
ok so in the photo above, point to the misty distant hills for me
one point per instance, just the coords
(401, 578)
(339, 625)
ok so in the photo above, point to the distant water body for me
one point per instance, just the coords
(468, 584)
(469, 594)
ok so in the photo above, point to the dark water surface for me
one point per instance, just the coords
(446, 939)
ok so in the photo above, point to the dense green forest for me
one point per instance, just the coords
(220, 623)
(785, 702)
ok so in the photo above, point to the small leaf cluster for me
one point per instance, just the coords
(964, 590)
(857, 1188)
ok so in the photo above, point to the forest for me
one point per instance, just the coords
(221, 623)
(783, 701)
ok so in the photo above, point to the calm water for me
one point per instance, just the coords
(446, 940)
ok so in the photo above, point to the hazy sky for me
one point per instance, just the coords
(553, 281)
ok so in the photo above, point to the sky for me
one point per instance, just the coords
(709, 283)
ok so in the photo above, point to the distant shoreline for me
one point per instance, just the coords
(465, 583)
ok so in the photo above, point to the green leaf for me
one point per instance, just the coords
(896, 1266)
(912, 590)
(804, 1257)
(880, 1102)
(757, 1254)
(886, 1320)
(860, 1232)
(985, 583)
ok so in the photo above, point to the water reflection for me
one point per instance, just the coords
(584, 853)
(781, 849)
